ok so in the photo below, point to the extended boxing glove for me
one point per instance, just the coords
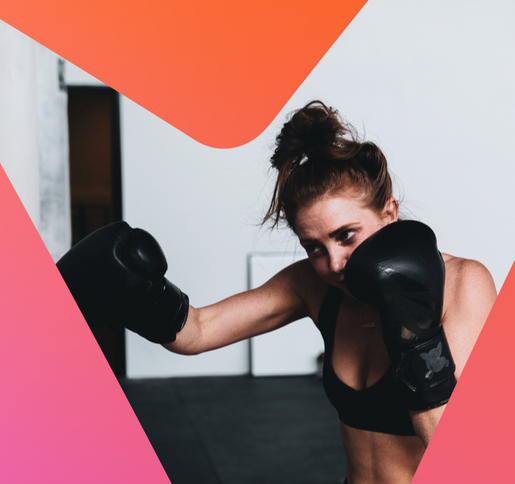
(116, 276)
(400, 270)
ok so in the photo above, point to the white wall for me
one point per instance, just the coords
(19, 149)
(432, 83)
(293, 349)
(54, 179)
(34, 135)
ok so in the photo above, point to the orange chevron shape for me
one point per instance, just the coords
(218, 71)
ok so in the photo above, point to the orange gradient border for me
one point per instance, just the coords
(218, 71)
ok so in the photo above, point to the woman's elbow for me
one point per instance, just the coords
(180, 348)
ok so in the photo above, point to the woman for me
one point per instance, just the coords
(334, 192)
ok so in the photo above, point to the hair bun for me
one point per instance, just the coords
(310, 132)
(370, 158)
(318, 153)
(318, 127)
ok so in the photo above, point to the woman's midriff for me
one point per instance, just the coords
(376, 458)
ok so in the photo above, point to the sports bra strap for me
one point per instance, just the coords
(329, 309)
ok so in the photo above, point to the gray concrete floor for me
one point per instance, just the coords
(240, 430)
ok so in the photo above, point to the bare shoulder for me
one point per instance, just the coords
(467, 282)
(468, 298)
(307, 284)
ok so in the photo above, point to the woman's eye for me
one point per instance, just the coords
(346, 235)
(312, 249)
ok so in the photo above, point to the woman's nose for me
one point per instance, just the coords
(337, 260)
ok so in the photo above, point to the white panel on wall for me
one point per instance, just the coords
(293, 349)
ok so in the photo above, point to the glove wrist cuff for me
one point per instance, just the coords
(426, 373)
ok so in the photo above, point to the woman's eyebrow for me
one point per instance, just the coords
(307, 240)
(332, 235)
(348, 226)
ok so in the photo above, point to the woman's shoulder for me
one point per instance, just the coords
(469, 286)
(463, 273)
(308, 285)
(469, 295)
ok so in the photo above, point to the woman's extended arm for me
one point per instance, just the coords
(116, 276)
(276, 303)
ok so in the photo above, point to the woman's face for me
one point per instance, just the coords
(333, 226)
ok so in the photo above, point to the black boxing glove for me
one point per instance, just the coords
(400, 270)
(116, 275)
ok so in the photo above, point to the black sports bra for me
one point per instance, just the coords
(376, 408)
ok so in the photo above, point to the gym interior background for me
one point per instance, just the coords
(443, 122)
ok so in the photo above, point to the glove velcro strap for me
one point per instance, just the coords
(164, 314)
(427, 372)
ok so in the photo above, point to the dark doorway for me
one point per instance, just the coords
(95, 182)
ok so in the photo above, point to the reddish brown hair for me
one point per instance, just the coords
(317, 154)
